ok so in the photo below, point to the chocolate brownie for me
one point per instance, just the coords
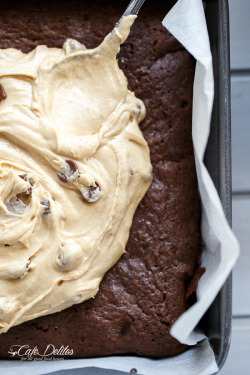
(154, 281)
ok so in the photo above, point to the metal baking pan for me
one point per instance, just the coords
(216, 323)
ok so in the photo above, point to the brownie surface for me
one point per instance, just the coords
(148, 289)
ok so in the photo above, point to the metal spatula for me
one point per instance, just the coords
(133, 8)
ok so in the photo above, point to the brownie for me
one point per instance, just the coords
(154, 281)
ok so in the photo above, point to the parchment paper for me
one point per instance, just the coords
(186, 21)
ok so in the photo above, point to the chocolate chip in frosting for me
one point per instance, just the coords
(69, 172)
(23, 176)
(17, 271)
(23, 272)
(31, 182)
(72, 165)
(91, 193)
(137, 110)
(46, 203)
(62, 177)
(16, 206)
(69, 255)
(2, 93)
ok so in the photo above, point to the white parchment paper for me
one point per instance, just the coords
(186, 21)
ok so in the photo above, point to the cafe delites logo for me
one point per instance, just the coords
(25, 352)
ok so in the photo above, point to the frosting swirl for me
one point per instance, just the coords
(73, 168)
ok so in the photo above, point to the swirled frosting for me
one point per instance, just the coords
(73, 168)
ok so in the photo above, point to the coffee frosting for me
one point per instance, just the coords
(73, 168)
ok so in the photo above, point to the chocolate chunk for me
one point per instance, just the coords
(31, 181)
(23, 176)
(62, 177)
(46, 203)
(2, 93)
(73, 166)
(69, 172)
(91, 193)
(16, 206)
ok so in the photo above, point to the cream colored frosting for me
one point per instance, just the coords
(73, 168)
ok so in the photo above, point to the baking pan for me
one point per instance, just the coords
(216, 323)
